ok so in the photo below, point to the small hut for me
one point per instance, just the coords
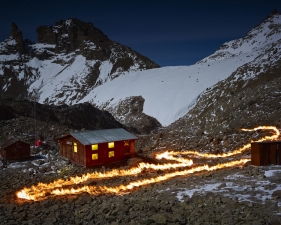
(97, 147)
(14, 149)
(266, 153)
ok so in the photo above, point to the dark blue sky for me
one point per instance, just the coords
(170, 33)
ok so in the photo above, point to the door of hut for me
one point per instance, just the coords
(278, 154)
(126, 148)
(63, 149)
(68, 150)
(80, 155)
(272, 149)
(264, 155)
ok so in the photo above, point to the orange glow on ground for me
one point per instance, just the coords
(58, 187)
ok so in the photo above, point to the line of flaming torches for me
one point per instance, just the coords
(42, 190)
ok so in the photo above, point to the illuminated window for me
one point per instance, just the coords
(126, 143)
(75, 147)
(111, 145)
(95, 147)
(95, 156)
(110, 154)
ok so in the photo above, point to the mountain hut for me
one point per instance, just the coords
(266, 153)
(97, 147)
(13, 149)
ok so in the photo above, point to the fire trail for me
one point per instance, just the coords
(60, 187)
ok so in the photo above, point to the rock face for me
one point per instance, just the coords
(74, 34)
(130, 113)
(17, 36)
(74, 54)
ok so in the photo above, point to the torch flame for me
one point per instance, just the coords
(42, 190)
(237, 151)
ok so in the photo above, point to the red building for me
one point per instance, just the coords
(266, 153)
(13, 149)
(98, 147)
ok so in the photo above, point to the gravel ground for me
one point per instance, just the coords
(239, 195)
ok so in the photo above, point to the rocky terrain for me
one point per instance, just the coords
(241, 195)
(17, 119)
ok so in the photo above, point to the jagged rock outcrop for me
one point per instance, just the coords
(17, 36)
(14, 44)
(74, 34)
(130, 113)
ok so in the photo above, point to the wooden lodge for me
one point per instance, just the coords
(97, 147)
(266, 153)
(13, 149)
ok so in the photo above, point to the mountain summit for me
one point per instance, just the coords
(69, 60)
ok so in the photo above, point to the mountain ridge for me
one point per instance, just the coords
(77, 53)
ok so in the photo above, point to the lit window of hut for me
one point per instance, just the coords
(75, 147)
(110, 154)
(95, 147)
(95, 156)
(110, 144)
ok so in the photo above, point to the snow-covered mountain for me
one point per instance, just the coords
(69, 60)
(171, 92)
(75, 62)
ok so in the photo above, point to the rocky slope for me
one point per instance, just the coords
(249, 97)
(240, 101)
(17, 119)
(130, 113)
(69, 60)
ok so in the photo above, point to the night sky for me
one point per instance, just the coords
(171, 33)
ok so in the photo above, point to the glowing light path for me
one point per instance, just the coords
(235, 152)
(42, 191)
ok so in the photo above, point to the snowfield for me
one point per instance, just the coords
(170, 92)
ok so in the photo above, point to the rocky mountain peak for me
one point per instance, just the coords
(14, 31)
(275, 12)
(71, 34)
(72, 53)
(16, 35)
(260, 36)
